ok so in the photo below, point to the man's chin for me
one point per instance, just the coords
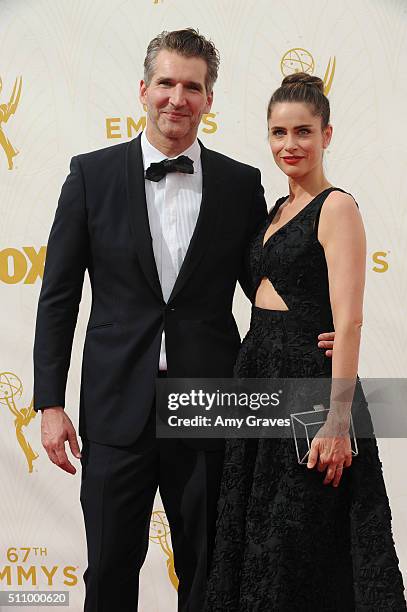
(175, 133)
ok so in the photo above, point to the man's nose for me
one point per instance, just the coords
(177, 97)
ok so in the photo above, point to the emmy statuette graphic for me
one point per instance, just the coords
(11, 389)
(6, 111)
(301, 60)
(159, 532)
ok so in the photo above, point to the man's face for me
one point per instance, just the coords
(176, 98)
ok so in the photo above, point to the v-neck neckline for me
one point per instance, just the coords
(264, 243)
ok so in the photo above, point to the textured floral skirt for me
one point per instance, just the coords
(285, 542)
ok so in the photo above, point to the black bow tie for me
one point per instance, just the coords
(156, 171)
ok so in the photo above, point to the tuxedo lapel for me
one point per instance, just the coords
(138, 214)
(206, 221)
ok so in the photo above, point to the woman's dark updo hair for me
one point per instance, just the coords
(302, 87)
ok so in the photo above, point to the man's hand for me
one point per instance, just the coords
(326, 341)
(56, 429)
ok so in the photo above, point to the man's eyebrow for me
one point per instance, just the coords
(163, 79)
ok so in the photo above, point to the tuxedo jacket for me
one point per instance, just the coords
(101, 225)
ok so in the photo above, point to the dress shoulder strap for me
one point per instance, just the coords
(320, 201)
(274, 209)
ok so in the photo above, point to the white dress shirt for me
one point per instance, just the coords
(173, 206)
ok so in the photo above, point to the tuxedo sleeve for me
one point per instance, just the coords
(257, 216)
(65, 265)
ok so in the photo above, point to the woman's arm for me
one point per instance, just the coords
(342, 235)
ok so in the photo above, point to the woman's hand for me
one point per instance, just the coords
(330, 451)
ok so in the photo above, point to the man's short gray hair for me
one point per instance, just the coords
(188, 43)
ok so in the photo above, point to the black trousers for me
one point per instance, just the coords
(117, 495)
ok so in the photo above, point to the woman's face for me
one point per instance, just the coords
(296, 138)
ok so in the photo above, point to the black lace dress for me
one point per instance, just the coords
(286, 542)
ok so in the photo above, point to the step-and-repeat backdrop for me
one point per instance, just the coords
(69, 76)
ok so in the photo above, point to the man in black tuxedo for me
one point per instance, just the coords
(163, 244)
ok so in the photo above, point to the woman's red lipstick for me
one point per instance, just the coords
(292, 159)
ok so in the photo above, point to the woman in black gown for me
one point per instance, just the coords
(316, 537)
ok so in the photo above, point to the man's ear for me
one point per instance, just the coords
(142, 92)
(208, 105)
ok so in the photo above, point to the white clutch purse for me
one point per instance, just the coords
(306, 424)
